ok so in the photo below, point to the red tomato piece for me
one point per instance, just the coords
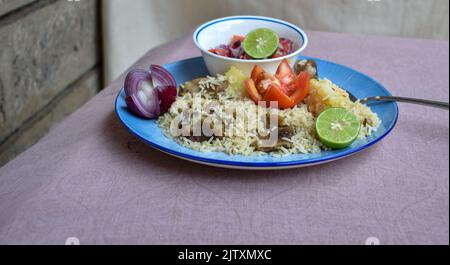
(236, 41)
(221, 52)
(251, 90)
(302, 83)
(285, 88)
(274, 93)
(286, 77)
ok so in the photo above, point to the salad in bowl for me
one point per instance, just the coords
(247, 41)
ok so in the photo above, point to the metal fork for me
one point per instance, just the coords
(431, 103)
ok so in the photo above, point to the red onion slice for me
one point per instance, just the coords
(135, 105)
(141, 97)
(166, 85)
(161, 77)
(150, 93)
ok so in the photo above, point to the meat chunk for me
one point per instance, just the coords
(190, 87)
(221, 87)
(309, 66)
(194, 86)
(198, 139)
(284, 132)
(202, 138)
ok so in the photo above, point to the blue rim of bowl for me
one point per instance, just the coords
(278, 21)
(256, 165)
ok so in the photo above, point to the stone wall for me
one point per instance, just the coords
(49, 66)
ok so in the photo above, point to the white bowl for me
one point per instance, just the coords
(220, 31)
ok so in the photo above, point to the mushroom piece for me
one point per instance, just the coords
(284, 132)
(194, 87)
(203, 138)
(309, 66)
(190, 87)
(221, 87)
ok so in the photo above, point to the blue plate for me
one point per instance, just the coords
(357, 83)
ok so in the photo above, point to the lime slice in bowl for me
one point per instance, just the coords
(337, 127)
(261, 43)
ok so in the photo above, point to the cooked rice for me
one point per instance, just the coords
(243, 138)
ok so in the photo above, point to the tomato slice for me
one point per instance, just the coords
(221, 52)
(286, 47)
(252, 91)
(236, 41)
(302, 87)
(285, 88)
(262, 79)
(257, 73)
(274, 93)
(277, 55)
(284, 69)
(286, 76)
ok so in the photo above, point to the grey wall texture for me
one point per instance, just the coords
(50, 66)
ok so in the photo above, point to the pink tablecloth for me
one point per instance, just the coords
(91, 179)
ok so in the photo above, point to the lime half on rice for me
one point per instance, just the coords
(337, 127)
(261, 43)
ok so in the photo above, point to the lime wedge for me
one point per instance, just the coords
(261, 43)
(337, 127)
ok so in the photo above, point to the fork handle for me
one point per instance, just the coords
(431, 103)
